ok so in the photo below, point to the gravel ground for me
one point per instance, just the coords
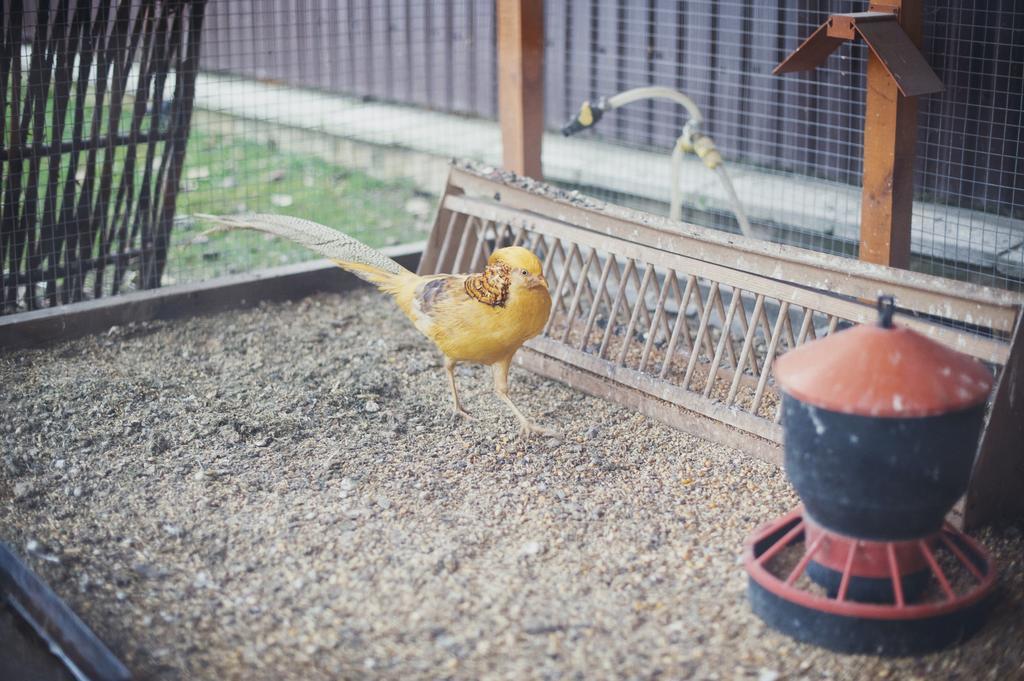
(281, 494)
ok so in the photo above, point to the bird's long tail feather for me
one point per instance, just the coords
(366, 263)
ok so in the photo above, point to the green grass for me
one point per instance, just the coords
(227, 174)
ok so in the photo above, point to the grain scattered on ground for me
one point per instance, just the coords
(280, 494)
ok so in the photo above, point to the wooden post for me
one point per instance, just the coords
(521, 84)
(996, 493)
(890, 137)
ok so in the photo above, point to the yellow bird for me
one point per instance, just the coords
(481, 318)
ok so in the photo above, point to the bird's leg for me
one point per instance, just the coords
(526, 426)
(449, 366)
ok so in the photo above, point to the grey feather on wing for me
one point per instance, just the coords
(430, 292)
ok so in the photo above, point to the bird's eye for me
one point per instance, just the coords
(523, 272)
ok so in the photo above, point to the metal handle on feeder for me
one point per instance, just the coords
(886, 309)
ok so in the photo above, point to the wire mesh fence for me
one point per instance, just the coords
(343, 113)
(970, 212)
(347, 112)
(794, 143)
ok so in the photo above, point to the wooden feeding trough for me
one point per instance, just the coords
(684, 323)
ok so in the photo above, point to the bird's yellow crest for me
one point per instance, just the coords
(516, 257)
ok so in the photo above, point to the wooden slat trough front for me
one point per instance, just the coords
(684, 323)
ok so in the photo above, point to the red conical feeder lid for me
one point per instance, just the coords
(881, 370)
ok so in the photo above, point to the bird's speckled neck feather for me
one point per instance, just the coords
(490, 286)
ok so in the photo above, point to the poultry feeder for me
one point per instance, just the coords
(880, 430)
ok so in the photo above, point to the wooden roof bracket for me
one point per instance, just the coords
(879, 28)
(896, 74)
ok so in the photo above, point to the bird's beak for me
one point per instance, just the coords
(542, 281)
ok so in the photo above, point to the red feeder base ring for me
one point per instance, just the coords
(962, 580)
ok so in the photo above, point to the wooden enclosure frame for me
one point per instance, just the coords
(40, 328)
(74, 645)
(627, 269)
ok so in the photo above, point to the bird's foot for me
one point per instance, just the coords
(458, 412)
(528, 429)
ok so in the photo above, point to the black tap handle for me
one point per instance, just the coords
(572, 127)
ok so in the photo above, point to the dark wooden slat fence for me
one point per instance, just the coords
(439, 55)
(84, 196)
